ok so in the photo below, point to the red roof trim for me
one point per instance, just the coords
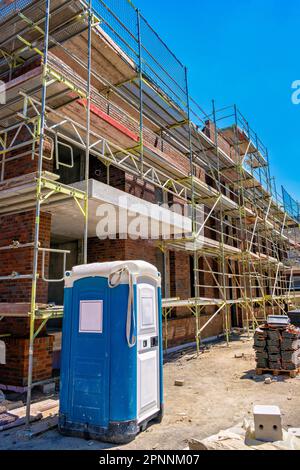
(117, 125)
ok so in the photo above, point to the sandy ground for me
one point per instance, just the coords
(219, 392)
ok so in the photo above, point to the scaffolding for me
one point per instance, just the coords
(214, 163)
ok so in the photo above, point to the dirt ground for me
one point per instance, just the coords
(219, 392)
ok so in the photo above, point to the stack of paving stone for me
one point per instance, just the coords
(260, 347)
(290, 348)
(274, 349)
(277, 348)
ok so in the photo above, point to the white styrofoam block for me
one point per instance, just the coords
(268, 423)
(48, 389)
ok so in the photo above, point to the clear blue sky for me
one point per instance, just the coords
(243, 52)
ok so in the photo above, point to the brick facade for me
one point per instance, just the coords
(20, 227)
(183, 330)
(21, 162)
(180, 279)
(122, 250)
(16, 369)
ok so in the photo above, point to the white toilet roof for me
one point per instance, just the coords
(140, 268)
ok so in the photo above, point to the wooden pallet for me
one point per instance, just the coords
(276, 372)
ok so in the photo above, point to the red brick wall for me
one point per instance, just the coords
(123, 250)
(19, 327)
(20, 227)
(98, 172)
(209, 281)
(123, 181)
(25, 164)
(16, 369)
(223, 144)
(144, 250)
(141, 189)
(183, 330)
(180, 278)
(104, 251)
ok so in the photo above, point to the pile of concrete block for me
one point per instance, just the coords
(277, 348)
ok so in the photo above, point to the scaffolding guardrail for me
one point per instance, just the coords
(291, 206)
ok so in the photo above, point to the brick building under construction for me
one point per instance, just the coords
(97, 108)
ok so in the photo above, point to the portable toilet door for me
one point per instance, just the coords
(148, 351)
(85, 353)
(111, 376)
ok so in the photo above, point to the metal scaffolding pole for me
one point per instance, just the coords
(194, 217)
(38, 214)
(141, 94)
(245, 263)
(88, 123)
(222, 253)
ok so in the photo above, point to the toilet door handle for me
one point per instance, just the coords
(154, 341)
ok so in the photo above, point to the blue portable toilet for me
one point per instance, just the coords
(111, 372)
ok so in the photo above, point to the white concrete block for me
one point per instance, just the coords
(48, 389)
(268, 423)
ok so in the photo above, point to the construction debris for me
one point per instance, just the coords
(10, 405)
(179, 383)
(17, 418)
(196, 445)
(36, 429)
(13, 417)
(239, 356)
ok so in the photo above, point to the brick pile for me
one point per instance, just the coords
(277, 348)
